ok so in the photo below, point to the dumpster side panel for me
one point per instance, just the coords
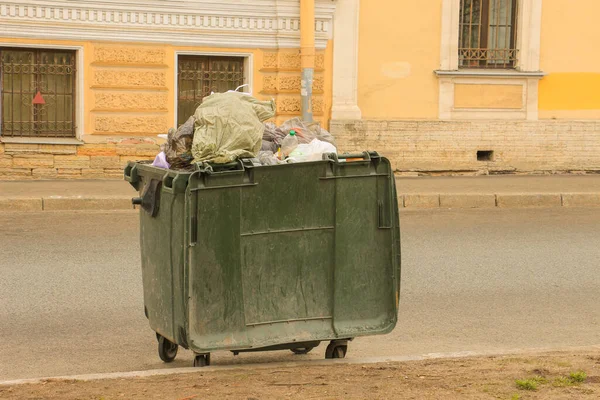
(289, 282)
(364, 294)
(216, 304)
(292, 253)
(155, 242)
(288, 241)
(288, 197)
(162, 250)
(177, 262)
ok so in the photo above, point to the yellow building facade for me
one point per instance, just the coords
(438, 86)
(430, 107)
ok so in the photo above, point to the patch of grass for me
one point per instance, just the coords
(574, 379)
(526, 384)
(540, 379)
(562, 381)
(530, 383)
(578, 376)
(515, 397)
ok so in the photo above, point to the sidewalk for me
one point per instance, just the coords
(508, 191)
(568, 374)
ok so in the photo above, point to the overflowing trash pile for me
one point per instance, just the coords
(230, 126)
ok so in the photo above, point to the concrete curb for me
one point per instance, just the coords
(367, 360)
(66, 203)
(57, 203)
(406, 201)
(500, 200)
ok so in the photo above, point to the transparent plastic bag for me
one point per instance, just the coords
(312, 151)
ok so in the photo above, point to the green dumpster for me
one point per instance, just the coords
(250, 258)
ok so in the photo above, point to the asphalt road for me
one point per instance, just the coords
(71, 295)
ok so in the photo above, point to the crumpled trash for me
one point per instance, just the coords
(312, 151)
(269, 146)
(229, 126)
(161, 161)
(305, 132)
(268, 158)
(178, 148)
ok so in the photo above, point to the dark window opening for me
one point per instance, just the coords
(488, 34)
(38, 92)
(199, 76)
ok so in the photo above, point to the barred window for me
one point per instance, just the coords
(488, 31)
(198, 76)
(38, 92)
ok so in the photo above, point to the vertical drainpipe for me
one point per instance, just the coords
(307, 55)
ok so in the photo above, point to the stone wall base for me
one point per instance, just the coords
(414, 148)
(21, 161)
(476, 147)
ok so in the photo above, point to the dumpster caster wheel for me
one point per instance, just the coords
(302, 350)
(202, 360)
(167, 350)
(336, 350)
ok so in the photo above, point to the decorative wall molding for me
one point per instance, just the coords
(345, 61)
(527, 72)
(274, 83)
(448, 110)
(529, 30)
(289, 61)
(226, 23)
(292, 105)
(450, 35)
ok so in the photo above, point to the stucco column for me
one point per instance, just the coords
(345, 60)
(307, 54)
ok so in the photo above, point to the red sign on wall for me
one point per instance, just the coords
(39, 99)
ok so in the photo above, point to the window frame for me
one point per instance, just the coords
(528, 39)
(79, 102)
(37, 55)
(248, 72)
(484, 29)
(527, 72)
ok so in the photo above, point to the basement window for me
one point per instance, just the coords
(485, 155)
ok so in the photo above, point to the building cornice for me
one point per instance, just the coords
(226, 23)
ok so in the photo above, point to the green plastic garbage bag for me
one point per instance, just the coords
(229, 126)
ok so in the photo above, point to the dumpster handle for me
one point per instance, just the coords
(209, 169)
(130, 173)
(170, 182)
(364, 156)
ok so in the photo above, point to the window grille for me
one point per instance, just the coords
(198, 76)
(487, 36)
(38, 92)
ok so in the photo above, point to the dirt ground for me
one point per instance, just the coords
(563, 375)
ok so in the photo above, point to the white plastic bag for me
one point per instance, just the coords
(161, 161)
(312, 151)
